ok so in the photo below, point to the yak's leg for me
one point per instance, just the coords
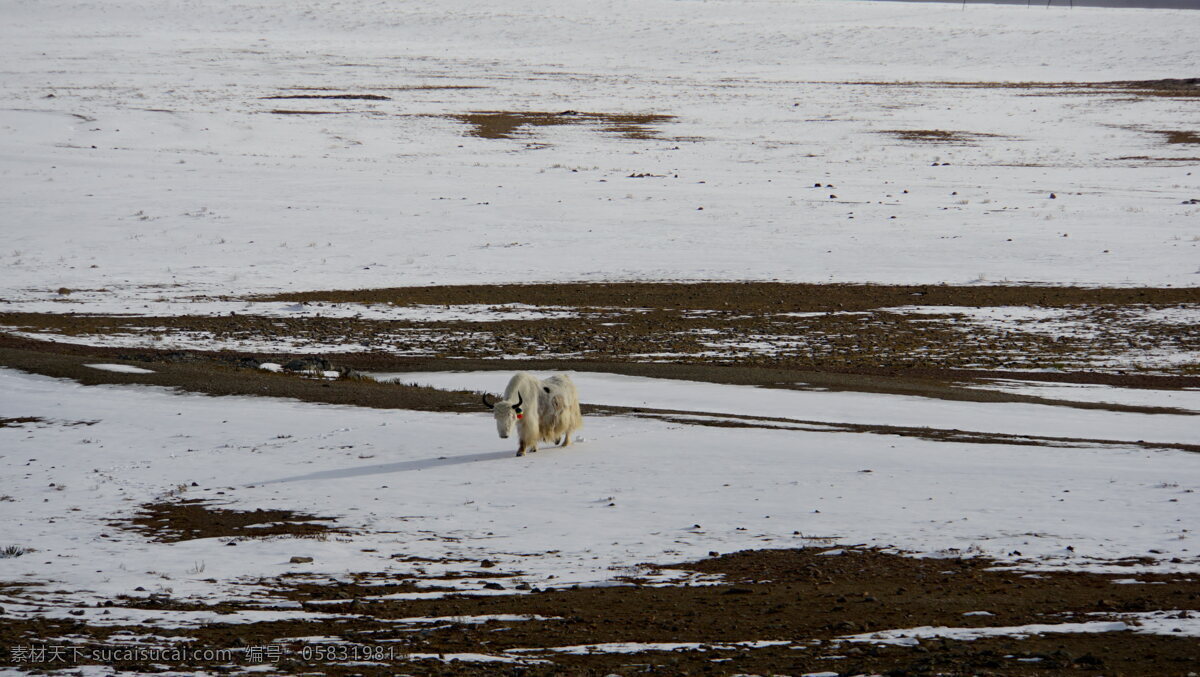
(524, 444)
(566, 442)
(529, 446)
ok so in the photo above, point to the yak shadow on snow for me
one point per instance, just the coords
(399, 466)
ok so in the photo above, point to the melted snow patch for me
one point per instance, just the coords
(476, 620)
(641, 647)
(160, 618)
(469, 658)
(120, 368)
(1167, 622)
(97, 303)
(912, 636)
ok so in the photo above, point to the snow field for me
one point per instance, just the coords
(443, 486)
(139, 155)
(846, 407)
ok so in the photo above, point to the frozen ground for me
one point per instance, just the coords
(139, 155)
(1112, 338)
(851, 407)
(443, 486)
(1187, 400)
(148, 169)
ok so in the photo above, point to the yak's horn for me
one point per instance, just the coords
(487, 404)
(520, 401)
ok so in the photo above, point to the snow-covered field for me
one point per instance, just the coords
(852, 407)
(140, 155)
(172, 157)
(443, 486)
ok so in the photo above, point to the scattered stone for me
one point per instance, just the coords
(301, 560)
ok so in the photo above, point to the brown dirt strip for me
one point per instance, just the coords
(870, 369)
(19, 421)
(822, 328)
(231, 373)
(1093, 335)
(236, 373)
(867, 341)
(773, 297)
(809, 597)
(339, 97)
(212, 376)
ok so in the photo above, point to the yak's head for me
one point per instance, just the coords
(507, 414)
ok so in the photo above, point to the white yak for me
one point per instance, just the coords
(541, 411)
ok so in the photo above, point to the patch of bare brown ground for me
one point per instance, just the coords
(175, 521)
(221, 374)
(752, 296)
(1181, 136)
(843, 337)
(1147, 158)
(397, 88)
(1169, 87)
(828, 329)
(800, 327)
(282, 111)
(809, 599)
(941, 136)
(337, 97)
(504, 124)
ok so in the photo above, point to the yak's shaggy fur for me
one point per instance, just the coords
(541, 411)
